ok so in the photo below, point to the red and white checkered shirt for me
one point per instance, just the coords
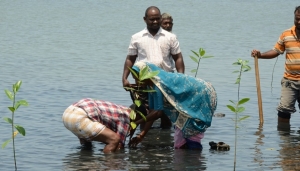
(113, 116)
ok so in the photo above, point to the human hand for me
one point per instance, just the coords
(135, 141)
(120, 146)
(126, 83)
(255, 53)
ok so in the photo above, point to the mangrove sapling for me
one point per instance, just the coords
(199, 56)
(13, 109)
(143, 76)
(236, 107)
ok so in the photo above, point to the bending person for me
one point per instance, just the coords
(189, 102)
(98, 120)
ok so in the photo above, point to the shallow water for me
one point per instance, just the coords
(67, 50)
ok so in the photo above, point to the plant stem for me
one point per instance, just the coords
(240, 77)
(12, 129)
(236, 116)
(197, 67)
(235, 141)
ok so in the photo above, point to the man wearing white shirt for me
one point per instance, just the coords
(155, 45)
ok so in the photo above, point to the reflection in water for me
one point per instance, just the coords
(88, 159)
(167, 159)
(189, 160)
(290, 147)
(156, 152)
(83, 159)
(258, 158)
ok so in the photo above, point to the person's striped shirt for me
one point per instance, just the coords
(289, 43)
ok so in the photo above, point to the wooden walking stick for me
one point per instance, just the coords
(261, 118)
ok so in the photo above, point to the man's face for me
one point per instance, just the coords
(167, 24)
(297, 19)
(153, 19)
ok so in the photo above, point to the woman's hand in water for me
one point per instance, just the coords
(135, 141)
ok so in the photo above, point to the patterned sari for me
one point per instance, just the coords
(189, 102)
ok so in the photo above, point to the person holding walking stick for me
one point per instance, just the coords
(289, 42)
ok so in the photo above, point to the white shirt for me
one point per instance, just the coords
(155, 49)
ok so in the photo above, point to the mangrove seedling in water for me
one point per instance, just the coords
(13, 109)
(236, 107)
(197, 58)
(141, 77)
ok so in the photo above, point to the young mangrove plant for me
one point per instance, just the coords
(141, 77)
(13, 109)
(197, 58)
(236, 107)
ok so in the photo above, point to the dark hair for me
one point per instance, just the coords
(149, 8)
(297, 9)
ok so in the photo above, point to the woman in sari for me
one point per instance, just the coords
(189, 102)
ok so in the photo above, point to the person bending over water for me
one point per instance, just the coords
(98, 120)
(189, 102)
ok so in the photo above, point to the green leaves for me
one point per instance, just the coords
(133, 72)
(142, 115)
(133, 112)
(231, 108)
(12, 109)
(21, 102)
(194, 59)
(148, 91)
(9, 94)
(193, 70)
(236, 107)
(201, 52)
(20, 129)
(140, 77)
(198, 56)
(145, 74)
(17, 86)
(5, 143)
(133, 125)
(8, 120)
(244, 67)
(137, 103)
(244, 117)
(244, 100)
(238, 80)
(16, 104)
(132, 115)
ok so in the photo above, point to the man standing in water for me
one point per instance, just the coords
(289, 41)
(154, 45)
